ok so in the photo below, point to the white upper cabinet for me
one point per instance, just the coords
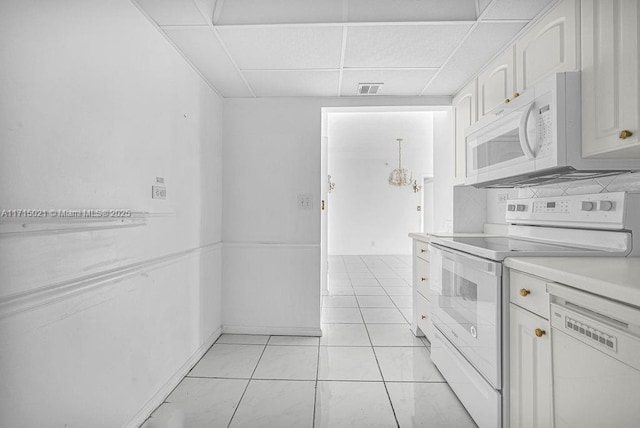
(496, 84)
(610, 114)
(465, 114)
(549, 46)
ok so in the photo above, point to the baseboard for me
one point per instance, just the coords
(159, 397)
(272, 331)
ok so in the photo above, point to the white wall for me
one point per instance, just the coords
(366, 214)
(443, 172)
(99, 321)
(272, 153)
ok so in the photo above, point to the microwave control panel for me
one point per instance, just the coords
(545, 130)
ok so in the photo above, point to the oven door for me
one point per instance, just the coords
(466, 296)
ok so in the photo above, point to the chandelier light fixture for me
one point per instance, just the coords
(400, 176)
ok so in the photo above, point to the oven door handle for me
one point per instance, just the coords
(476, 263)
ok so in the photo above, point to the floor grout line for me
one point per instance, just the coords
(248, 383)
(375, 355)
(315, 390)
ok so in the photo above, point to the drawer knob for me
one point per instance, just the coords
(422, 278)
(507, 101)
(423, 316)
(539, 332)
(422, 250)
(516, 95)
(625, 134)
(524, 292)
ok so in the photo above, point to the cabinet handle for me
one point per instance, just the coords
(516, 95)
(423, 316)
(507, 101)
(422, 278)
(625, 134)
(539, 332)
(524, 292)
(422, 250)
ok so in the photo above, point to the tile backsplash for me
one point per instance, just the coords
(629, 182)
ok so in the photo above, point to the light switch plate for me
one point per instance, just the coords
(305, 202)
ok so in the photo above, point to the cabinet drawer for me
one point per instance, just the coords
(421, 249)
(529, 292)
(423, 315)
(422, 277)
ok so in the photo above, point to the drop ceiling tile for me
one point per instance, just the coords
(293, 83)
(205, 52)
(396, 82)
(402, 45)
(284, 47)
(280, 11)
(477, 50)
(173, 12)
(516, 9)
(402, 10)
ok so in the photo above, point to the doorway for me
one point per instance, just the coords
(364, 214)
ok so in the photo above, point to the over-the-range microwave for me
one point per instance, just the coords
(535, 139)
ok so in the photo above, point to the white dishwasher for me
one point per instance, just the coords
(595, 346)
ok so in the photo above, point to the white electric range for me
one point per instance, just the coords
(469, 296)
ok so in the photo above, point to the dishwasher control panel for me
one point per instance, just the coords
(596, 336)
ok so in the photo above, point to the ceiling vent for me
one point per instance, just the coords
(369, 88)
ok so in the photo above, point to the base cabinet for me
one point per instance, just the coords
(530, 398)
(422, 324)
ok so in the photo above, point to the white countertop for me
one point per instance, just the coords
(617, 278)
(425, 237)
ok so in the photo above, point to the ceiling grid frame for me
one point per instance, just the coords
(215, 10)
(168, 39)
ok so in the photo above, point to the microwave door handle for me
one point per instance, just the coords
(524, 139)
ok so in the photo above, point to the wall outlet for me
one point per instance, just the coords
(305, 202)
(158, 192)
(502, 197)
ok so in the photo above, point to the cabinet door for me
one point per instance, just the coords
(549, 46)
(464, 104)
(530, 370)
(610, 78)
(496, 83)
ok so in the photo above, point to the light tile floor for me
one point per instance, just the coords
(367, 369)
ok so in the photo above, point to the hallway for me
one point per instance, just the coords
(366, 370)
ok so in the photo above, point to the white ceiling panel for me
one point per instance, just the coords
(293, 83)
(203, 49)
(396, 82)
(173, 12)
(486, 40)
(279, 11)
(402, 46)
(284, 47)
(516, 9)
(410, 10)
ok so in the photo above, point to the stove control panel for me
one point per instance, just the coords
(544, 206)
(599, 210)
